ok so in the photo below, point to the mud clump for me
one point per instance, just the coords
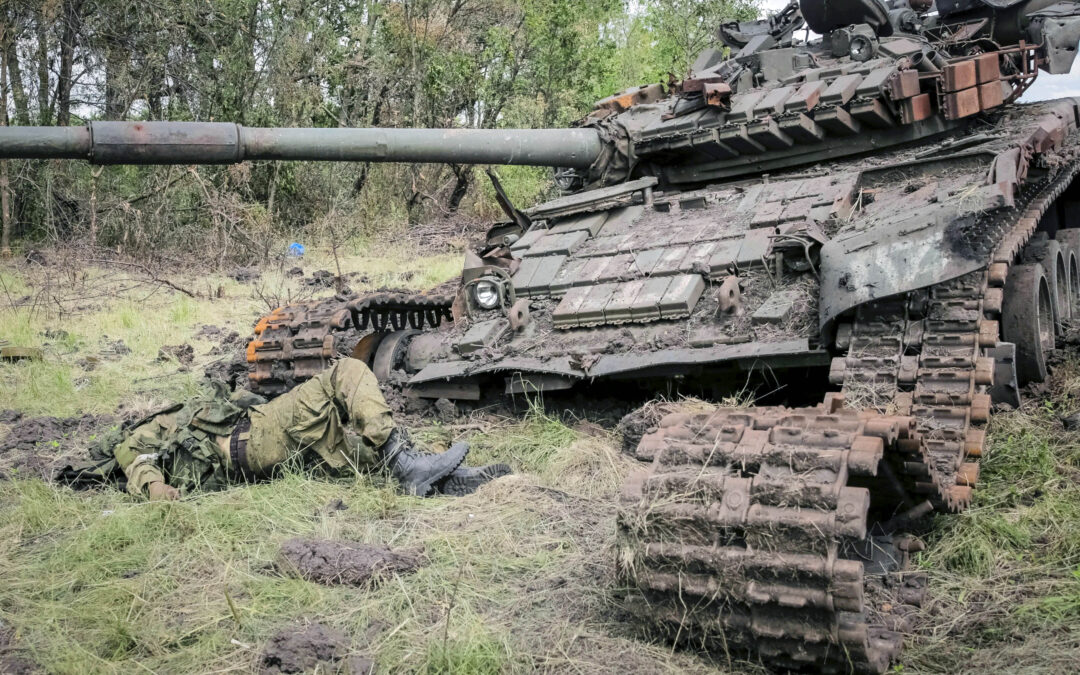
(446, 409)
(319, 279)
(344, 562)
(245, 275)
(33, 444)
(326, 279)
(231, 365)
(311, 648)
(184, 354)
(114, 349)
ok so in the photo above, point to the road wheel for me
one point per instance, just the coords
(1070, 247)
(1072, 294)
(391, 353)
(1028, 320)
(1048, 254)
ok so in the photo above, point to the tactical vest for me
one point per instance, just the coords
(190, 455)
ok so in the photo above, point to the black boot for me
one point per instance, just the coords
(417, 472)
(465, 479)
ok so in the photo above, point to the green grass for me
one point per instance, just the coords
(97, 582)
(1005, 575)
(515, 578)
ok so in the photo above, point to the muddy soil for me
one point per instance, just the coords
(311, 648)
(12, 660)
(34, 446)
(183, 353)
(344, 562)
(230, 366)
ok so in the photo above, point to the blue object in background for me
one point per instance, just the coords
(296, 250)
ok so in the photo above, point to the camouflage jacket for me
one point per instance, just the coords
(181, 439)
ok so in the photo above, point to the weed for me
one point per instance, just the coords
(1004, 591)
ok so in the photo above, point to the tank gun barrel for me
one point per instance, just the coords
(228, 143)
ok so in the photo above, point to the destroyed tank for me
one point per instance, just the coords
(868, 216)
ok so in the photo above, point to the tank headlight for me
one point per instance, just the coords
(486, 294)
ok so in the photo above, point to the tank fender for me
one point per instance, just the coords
(934, 243)
(885, 261)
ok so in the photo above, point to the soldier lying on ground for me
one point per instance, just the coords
(336, 424)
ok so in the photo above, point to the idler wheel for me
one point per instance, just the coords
(1028, 320)
(390, 353)
(367, 346)
(1048, 254)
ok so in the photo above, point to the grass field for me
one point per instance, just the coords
(515, 578)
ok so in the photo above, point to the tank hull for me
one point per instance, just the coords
(882, 275)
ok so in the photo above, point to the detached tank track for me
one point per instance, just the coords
(748, 535)
(295, 343)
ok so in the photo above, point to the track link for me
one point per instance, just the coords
(747, 535)
(295, 343)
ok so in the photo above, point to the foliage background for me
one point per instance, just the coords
(324, 63)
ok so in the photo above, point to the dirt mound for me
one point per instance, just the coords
(183, 353)
(245, 274)
(345, 562)
(231, 365)
(311, 648)
(319, 279)
(32, 444)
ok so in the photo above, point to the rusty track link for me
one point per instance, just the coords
(294, 343)
(747, 535)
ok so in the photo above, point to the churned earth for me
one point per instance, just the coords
(306, 575)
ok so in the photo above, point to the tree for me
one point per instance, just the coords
(431, 63)
(682, 29)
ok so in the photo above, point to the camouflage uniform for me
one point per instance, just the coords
(334, 423)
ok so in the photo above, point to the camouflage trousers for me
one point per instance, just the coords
(333, 423)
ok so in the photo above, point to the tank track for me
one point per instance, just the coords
(748, 535)
(920, 354)
(295, 343)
